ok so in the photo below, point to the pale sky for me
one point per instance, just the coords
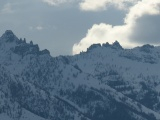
(66, 27)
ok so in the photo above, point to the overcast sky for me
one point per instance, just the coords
(67, 27)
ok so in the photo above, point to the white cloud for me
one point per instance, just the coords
(142, 8)
(97, 5)
(7, 8)
(103, 33)
(56, 2)
(39, 28)
(94, 5)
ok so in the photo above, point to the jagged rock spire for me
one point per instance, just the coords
(93, 46)
(9, 36)
(116, 45)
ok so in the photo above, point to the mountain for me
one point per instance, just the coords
(107, 82)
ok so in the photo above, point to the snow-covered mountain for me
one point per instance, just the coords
(105, 83)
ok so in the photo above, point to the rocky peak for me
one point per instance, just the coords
(146, 48)
(9, 36)
(116, 45)
(106, 44)
(9, 41)
(93, 46)
(9, 32)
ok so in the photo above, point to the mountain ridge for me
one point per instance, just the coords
(106, 82)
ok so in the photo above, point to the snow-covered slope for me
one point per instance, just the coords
(133, 72)
(106, 82)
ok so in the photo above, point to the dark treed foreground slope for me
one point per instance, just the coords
(105, 83)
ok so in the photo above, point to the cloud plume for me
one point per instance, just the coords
(138, 25)
(56, 2)
(95, 5)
